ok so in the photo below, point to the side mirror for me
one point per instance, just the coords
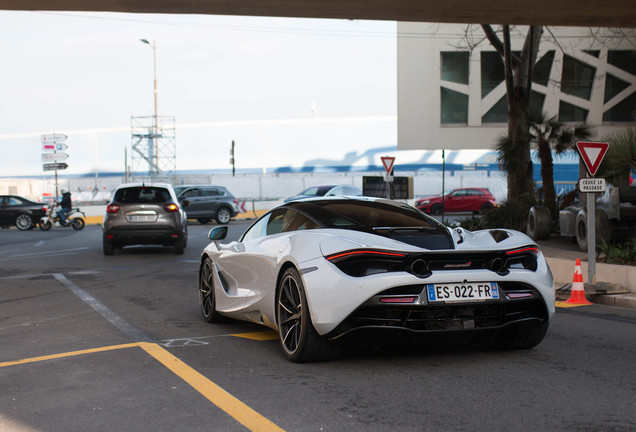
(185, 203)
(218, 233)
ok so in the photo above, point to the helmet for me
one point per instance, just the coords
(63, 190)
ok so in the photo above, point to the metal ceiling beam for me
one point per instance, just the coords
(592, 13)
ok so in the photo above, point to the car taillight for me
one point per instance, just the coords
(522, 258)
(112, 208)
(365, 262)
(171, 208)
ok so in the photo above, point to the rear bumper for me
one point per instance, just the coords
(162, 235)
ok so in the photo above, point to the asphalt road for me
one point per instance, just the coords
(89, 342)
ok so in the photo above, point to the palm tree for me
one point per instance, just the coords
(620, 159)
(547, 134)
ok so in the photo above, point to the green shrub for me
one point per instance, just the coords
(617, 253)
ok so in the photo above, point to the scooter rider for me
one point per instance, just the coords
(65, 206)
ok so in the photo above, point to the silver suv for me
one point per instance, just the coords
(208, 202)
(145, 214)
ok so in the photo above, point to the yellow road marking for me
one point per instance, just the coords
(243, 414)
(215, 394)
(258, 336)
(68, 354)
(562, 304)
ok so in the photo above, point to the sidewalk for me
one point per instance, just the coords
(619, 281)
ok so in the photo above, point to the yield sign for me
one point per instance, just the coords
(387, 161)
(592, 154)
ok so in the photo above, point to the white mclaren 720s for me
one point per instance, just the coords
(321, 269)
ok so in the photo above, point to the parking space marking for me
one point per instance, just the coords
(215, 394)
(258, 336)
(130, 331)
(236, 409)
(68, 354)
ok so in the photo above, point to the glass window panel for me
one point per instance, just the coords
(541, 70)
(595, 53)
(613, 86)
(454, 107)
(492, 71)
(455, 66)
(623, 59)
(577, 78)
(624, 111)
(571, 113)
(498, 113)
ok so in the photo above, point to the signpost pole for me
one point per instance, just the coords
(591, 239)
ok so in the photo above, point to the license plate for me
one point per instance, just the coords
(142, 218)
(462, 292)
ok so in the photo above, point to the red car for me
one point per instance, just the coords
(477, 200)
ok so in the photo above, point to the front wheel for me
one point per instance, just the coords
(207, 298)
(24, 222)
(436, 209)
(78, 224)
(45, 225)
(298, 338)
(223, 215)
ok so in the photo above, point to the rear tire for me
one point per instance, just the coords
(24, 222)
(539, 223)
(78, 224)
(108, 248)
(223, 215)
(298, 338)
(179, 246)
(521, 337)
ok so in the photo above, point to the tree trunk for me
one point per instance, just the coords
(545, 155)
(520, 181)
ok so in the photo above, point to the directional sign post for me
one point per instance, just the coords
(388, 161)
(53, 153)
(592, 154)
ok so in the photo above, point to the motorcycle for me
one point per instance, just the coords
(73, 219)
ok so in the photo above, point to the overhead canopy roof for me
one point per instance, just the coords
(593, 13)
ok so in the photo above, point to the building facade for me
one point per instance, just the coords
(452, 94)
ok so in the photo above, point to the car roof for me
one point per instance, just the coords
(149, 184)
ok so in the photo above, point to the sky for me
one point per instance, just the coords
(285, 90)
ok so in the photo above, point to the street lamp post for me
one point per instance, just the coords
(155, 137)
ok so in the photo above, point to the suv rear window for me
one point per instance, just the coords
(141, 195)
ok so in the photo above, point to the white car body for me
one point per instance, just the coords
(247, 273)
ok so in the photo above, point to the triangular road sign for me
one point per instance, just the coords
(592, 154)
(387, 161)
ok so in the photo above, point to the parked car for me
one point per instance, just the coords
(476, 200)
(318, 270)
(326, 191)
(208, 202)
(145, 214)
(21, 212)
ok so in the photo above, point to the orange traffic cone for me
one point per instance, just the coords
(577, 293)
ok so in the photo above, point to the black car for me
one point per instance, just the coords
(21, 212)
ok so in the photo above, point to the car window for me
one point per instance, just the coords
(345, 214)
(13, 201)
(211, 192)
(142, 195)
(349, 190)
(190, 193)
(336, 191)
(300, 222)
(272, 223)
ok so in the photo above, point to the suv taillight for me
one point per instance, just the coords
(112, 208)
(171, 208)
